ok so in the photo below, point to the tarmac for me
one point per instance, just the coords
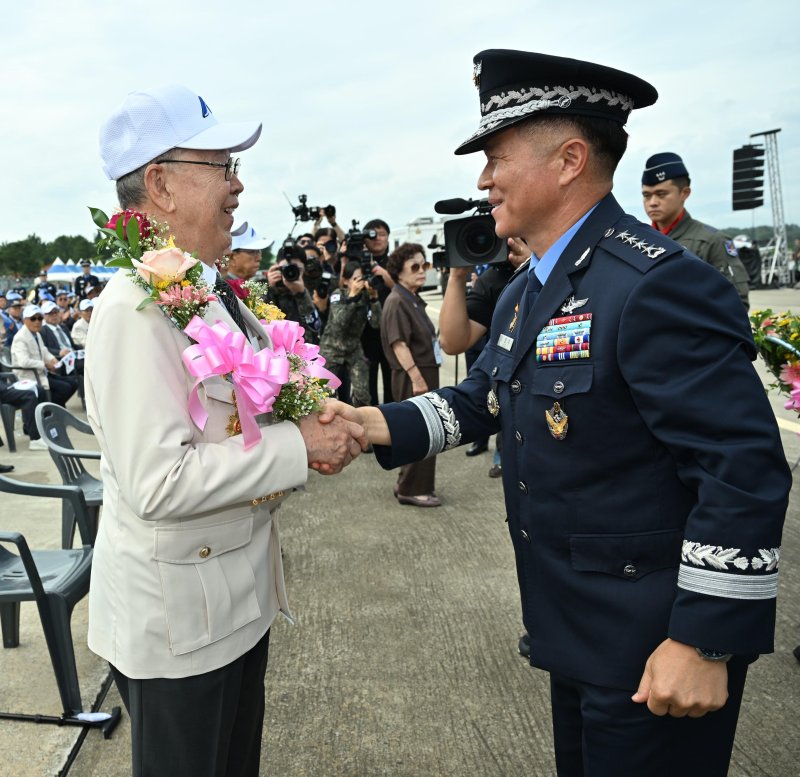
(403, 657)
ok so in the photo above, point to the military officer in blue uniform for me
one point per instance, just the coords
(645, 481)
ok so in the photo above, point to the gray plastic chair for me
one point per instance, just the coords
(8, 412)
(56, 580)
(53, 422)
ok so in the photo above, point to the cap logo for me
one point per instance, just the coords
(661, 176)
(476, 74)
(204, 108)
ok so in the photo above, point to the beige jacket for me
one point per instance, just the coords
(28, 352)
(187, 572)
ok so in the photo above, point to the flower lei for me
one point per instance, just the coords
(782, 361)
(289, 380)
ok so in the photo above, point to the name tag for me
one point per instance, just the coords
(505, 342)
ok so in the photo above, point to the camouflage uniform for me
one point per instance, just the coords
(299, 308)
(341, 340)
(716, 249)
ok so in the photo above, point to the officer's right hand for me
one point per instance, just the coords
(459, 274)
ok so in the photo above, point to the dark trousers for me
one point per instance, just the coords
(470, 357)
(373, 350)
(26, 401)
(62, 388)
(600, 732)
(208, 725)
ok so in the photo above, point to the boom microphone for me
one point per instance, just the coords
(457, 205)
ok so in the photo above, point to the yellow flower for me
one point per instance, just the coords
(184, 283)
(170, 242)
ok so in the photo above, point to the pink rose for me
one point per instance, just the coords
(166, 265)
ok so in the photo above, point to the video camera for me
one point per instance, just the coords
(472, 240)
(303, 213)
(356, 252)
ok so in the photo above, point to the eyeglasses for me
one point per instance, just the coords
(416, 267)
(36, 318)
(231, 166)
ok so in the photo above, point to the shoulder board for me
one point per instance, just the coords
(638, 244)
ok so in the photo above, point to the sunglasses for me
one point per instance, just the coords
(416, 267)
(36, 318)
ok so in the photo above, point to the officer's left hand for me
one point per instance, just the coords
(677, 682)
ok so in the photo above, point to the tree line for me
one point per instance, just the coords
(26, 257)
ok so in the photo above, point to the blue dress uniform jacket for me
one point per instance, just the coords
(660, 512)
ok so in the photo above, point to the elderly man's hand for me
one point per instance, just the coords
(333, 445)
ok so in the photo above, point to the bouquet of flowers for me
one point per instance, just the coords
(254, 294)
(777, 337)
(172, 278)
(288, 380)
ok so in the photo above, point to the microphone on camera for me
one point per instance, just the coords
(457, 205)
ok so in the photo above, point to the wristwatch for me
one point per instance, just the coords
(713, 655)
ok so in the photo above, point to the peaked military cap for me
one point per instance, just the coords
(662, 167)
(515, 85)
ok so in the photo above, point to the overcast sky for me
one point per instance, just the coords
(363, 103)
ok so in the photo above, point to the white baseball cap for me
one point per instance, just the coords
(85, 304)
(249, 241)
(151, 122)
(31, 310)
(239, 230)
(49, 307)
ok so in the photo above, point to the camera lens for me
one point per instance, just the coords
(290, 272)
(480, 240)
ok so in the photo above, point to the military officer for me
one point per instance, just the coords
(85, 279)
(665, 188)
(645, 481)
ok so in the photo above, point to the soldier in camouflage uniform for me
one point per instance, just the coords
(351, 308)
(665, 188)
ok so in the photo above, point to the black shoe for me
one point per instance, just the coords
(524, 646)
(6, 468)
(478, 447)
(496, 471)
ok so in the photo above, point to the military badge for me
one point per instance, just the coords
(573, 304)
(557, 421)
(492, 403)
(514, 320)
(730, 248)
(476, 74)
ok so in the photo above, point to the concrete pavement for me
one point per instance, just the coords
(403, 659)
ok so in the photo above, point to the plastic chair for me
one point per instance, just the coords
(52, 422)
(8, 412)
(56, 580)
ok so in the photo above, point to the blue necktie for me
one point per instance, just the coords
(531, 293)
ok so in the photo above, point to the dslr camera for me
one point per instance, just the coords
(303, 212)
(290, 250)
(356, 252)
(471, 240)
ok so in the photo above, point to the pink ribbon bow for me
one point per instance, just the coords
(257, 377)
(287, 339)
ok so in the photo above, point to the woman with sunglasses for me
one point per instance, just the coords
(412, 349)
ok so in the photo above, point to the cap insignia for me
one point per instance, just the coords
(476, 74)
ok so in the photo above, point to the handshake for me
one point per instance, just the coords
(340, 433)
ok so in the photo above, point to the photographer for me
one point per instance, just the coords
(378, 246)
(320, 278)
(351, 308)
(329, 213)
(287, 290)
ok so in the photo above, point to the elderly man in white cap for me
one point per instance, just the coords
(244, 259)
(80, 329)
(187, 576)
(32, 360)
